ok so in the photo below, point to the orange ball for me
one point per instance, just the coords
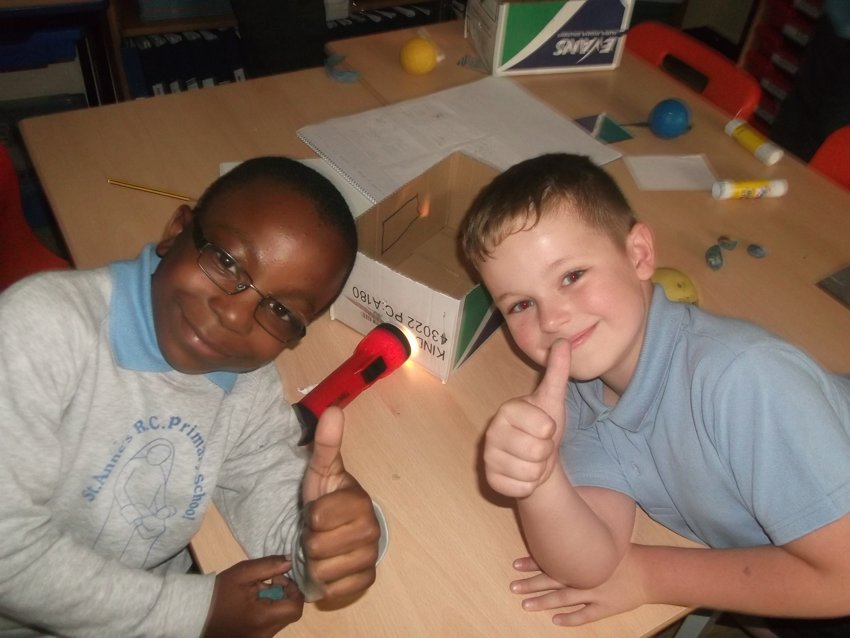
(418, 56)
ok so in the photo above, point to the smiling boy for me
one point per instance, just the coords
(131, 396)
(717, 429)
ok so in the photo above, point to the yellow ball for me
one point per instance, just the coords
(676, 284)
(418, 56)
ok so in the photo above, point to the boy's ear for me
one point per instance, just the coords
(180, 221)
(640, 246)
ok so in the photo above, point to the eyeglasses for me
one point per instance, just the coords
(226, 273)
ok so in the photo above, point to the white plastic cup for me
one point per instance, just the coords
(311, 588)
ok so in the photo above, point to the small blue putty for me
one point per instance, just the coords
(713, 257)
(756, 250)
(272, 592)
(726, 242)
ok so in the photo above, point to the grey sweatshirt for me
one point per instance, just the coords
(106, 470)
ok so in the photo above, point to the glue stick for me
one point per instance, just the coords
(747, 137)
(754, 189)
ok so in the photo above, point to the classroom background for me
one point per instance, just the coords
(94, 53)
(97, 53)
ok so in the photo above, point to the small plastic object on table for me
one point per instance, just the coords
(714, 257)
(670, 118)
(272, 592)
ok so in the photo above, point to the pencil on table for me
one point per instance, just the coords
(146, 189)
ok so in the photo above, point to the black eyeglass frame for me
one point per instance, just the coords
(244, 282)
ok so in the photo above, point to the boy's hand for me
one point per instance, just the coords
(522, 440)
(236, 609)
(341, 532)
(620, 593)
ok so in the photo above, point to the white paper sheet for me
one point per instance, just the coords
(670, 172)
(494, 120)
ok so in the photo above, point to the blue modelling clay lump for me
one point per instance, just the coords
(756, 250)
(273, 592)
(727, 242)
(713, 257)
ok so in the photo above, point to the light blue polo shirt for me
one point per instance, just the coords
(726, 434)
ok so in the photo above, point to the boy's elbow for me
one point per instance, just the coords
(591, 579)
(588, 575)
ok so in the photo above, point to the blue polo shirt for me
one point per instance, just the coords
(726, 434)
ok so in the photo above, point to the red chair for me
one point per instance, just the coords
(21, 252)
(833, 157)
(699, 66)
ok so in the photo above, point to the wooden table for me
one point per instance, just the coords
(413, 442)
(173, 143)
(376, 59)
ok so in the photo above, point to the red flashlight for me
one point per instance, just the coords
(380, 352)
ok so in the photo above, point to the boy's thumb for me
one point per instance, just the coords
(326, 446)
(266, 567)
(552, 391)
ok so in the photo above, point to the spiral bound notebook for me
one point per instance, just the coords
(494, 120)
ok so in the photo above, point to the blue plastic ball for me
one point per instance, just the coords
(670, 118)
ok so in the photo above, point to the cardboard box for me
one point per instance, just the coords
(522, 37)
(409, 269)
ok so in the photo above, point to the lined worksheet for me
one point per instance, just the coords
(494, 120)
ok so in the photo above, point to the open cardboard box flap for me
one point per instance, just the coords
(410, 270)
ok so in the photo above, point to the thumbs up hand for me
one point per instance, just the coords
(522, 440)
(340, 534)
(326, 472)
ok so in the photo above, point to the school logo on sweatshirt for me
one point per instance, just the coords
(138, 479)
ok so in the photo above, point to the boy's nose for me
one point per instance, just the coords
(236, 312)
(552, 316)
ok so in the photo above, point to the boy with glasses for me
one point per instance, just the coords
(134, 395)
(717, 429)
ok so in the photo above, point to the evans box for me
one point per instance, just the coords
(409, 268)
(521, 37)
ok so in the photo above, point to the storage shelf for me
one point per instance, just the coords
(443, 6)
(130, 24)
(124, 22)
(778, 39)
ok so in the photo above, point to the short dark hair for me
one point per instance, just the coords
(518, 198)
(290, 174)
